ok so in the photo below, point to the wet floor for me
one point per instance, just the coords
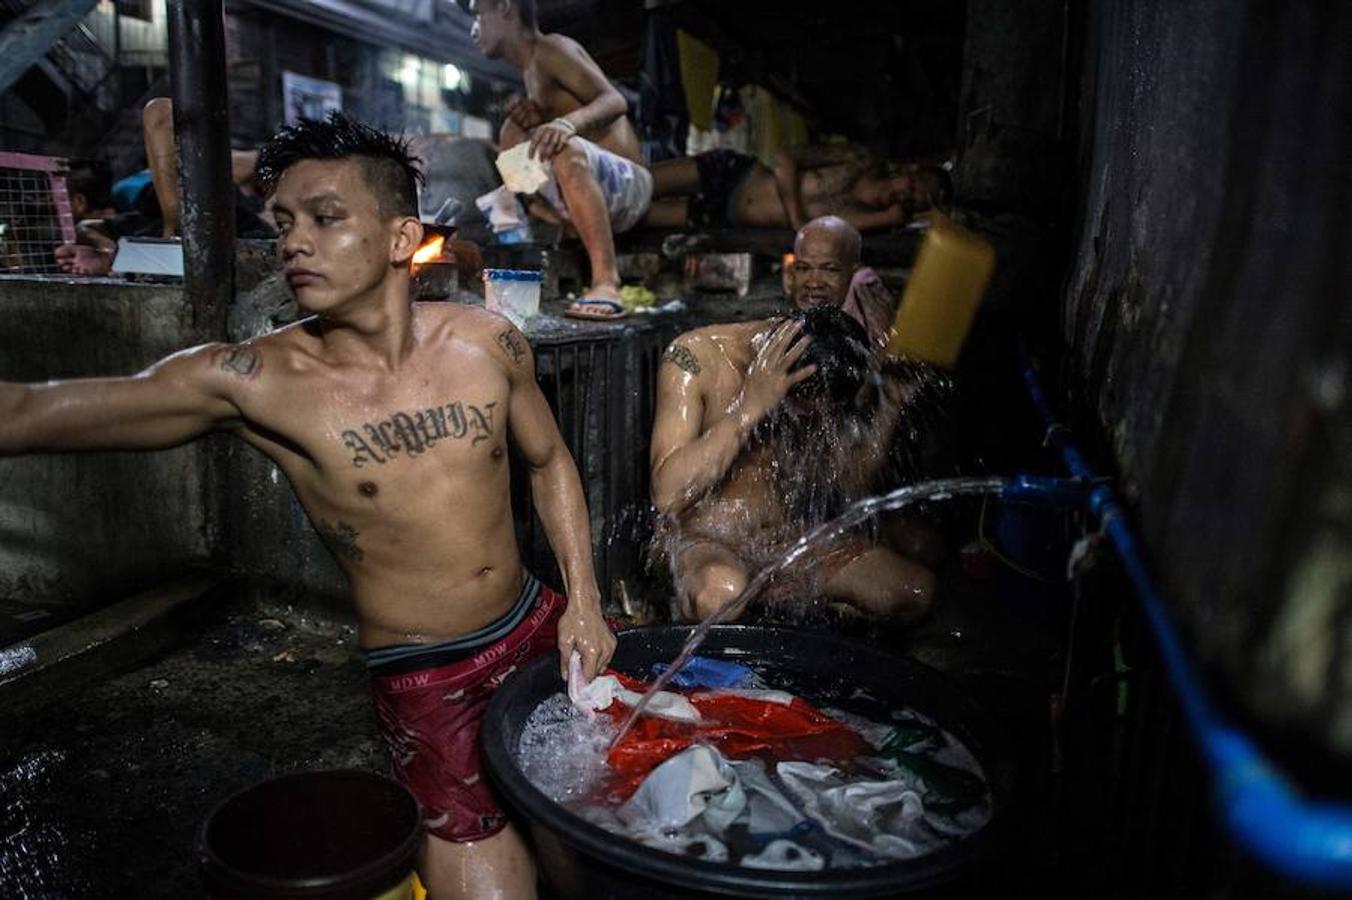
(101, 792)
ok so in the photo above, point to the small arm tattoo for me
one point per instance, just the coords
(682, 358)
(515, 345)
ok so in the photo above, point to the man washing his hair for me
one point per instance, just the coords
(766, 428)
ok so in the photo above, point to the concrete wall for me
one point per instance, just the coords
(1210, 331)
(78, 531)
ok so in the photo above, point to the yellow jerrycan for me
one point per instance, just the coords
(950, 276)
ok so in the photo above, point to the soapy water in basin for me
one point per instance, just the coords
(912, 789)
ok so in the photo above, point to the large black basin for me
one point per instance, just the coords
(581, 860)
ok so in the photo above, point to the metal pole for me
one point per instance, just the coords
(202, 127)
(119, 76)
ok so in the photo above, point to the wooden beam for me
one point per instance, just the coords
(27, 39)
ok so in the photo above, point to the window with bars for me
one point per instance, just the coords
(34, 213)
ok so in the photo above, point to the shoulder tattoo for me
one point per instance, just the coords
(241, 361)
(682, 358)
(514, 344)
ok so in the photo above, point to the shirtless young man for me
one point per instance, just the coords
(575, 121)
(718, 476)
(391, 421)
(723, 188)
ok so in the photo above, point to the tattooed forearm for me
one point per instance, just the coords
(514, 344)
(414, 433)
(341, 538)
(682, 358)
(241, 361)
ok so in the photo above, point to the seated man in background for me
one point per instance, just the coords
(155, 209)
(724, 188)
(767, 428)
(391, 421)
(576, 122)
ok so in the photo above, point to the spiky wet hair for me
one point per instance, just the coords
(390, 169)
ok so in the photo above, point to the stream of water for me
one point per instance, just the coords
(940, 489)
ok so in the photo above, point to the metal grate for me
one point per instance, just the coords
(34, 213)
(601, 389)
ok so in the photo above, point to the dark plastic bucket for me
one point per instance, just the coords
(343, 834)
(584, 862)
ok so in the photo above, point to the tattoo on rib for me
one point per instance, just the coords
(414, 433)
(512, 341)
(242, 361)
(682, 358)
(341, 538)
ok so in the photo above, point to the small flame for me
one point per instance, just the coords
(429, 251)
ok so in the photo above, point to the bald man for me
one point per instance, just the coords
(766, 428)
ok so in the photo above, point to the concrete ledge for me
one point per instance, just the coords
(35, 671)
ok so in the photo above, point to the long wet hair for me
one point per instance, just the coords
(390, 170)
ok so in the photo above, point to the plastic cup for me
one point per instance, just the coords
(514, 293)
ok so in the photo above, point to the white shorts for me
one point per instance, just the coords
(626, 186)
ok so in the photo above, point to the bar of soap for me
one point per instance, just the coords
(520, 172)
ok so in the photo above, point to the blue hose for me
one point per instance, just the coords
(1306, 840)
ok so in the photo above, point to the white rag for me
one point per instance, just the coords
(675, 792)
(521, 172)
(606, 689)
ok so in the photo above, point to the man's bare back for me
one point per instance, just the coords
(376, 457)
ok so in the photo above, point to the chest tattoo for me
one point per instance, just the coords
(414, 433)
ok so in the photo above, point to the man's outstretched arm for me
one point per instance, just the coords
(556, 492)
(173, 401)
(686, 463)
